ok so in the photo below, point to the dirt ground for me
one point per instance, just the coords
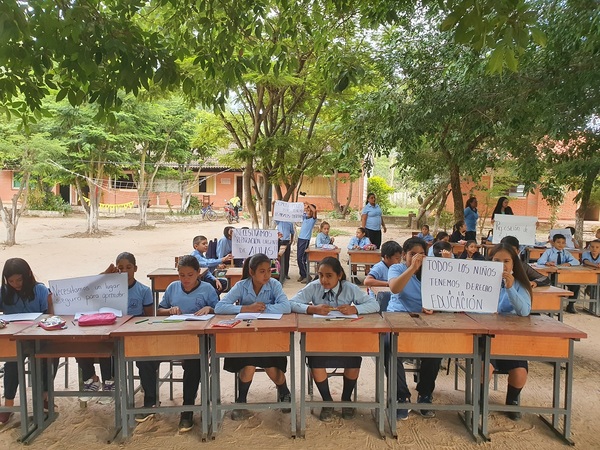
(50, 247)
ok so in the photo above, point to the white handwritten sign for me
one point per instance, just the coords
(566, 233)
(521, 227)
(288, 212)
(86, 294)
(245, 243)
(461, 285)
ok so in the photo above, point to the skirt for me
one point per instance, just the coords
(234, 365)
(334, 362)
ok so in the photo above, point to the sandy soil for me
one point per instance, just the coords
(49, 246)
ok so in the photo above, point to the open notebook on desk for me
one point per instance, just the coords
(254, 316)
(182, 317)
(336, 315)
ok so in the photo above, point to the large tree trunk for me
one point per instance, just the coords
(248, 200)
(265, 187)
(94, 208)
(586, 192)
(143, 199)
(459, 209)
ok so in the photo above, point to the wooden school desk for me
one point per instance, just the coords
(160, 279)
(156, 340)
(233, 275)
(364, 337)
(316, 255)
(532, 338)
(437, 335)
(10, 352)
(251, 338)
(366, 258)
(548, 300)
(72, 342)
(534, 253)
(582, 276)
(457, 248)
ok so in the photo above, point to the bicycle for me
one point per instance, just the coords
(208, 213)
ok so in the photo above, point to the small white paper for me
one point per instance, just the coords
(190, 317)
(336, 314)
(20, 317)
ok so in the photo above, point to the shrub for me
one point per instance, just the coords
(381, 189)
(46, 201)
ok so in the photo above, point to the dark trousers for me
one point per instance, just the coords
(148, 375)
(286, 257)
(301, 256)
(375, 237)
(107, 368)
(428, 373)
(191, 380)
(471, 236)
(11, 377)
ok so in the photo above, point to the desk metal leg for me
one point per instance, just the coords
(476, 387)
(392, 387)
(117, 393)
(380, 380)
(215, 390)
(302, 384)
(486, 388)
(204, 387)
(124, 390)
(27, 426)
(294, 416)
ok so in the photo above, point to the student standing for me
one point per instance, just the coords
(308, 223)
(332, 291)
(405, 283)
(502, 208)
(286, 231)
(471, 217)
(21, 293)
(515, 298)
(256, 292)
(188, 296)
(372, 220)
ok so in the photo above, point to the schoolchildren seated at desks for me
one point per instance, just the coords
(21, 293)
(557, 256)
(323, 237)
(332, 292)
(442, 249)
(360, 241)
(425, 234)
(591, 258)
(391, 253)
(189, 295)
(441, 236)
(535, 278)
(256, 292)
(405, 283)
(471, 251)
(200, 244)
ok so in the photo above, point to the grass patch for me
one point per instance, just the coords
(398, 211)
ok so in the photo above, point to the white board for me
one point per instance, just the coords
(86, 294)
(566, 233)
(288, 211)
(521, 227)
(245, 243)
(461, 285)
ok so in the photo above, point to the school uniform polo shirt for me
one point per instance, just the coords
(189, 302)
(138, 296)
(409, 299)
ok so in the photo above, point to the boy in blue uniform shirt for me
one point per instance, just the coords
(310, 218)
(391, 253)
(425, 234)
(558, 256)
(200, 244)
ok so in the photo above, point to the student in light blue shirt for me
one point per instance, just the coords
(371, 218)
(405, 283)
(558, 256)
(425, 234)
(515, 298)
(188, 296)
(286, 237)
(323, 237)
(224, 244)
(360, 241)
(200, 244)
(310, 218)
(391, 253)
(471, 216)
(332, 291)
(256, 292)
(441, 236)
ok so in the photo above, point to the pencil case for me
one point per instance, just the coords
(89, 320)
(52, 323)
(3, 324)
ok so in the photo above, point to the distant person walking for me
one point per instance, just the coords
(372, 220)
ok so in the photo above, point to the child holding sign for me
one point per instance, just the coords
(21, 293)
(256, 292)
(323, 237)
(515, 298)
(188, 296)
(333, 292)
(405, 284)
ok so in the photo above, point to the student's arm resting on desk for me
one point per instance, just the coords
(226, 305)
(362, 302)
(570, 259)
(281, 304)
(535, 277)
(300, 302)
(164, 307)
(543, 260)
(372, 281)
(211, 299)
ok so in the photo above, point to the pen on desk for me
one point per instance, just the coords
(73, 322)
(358, 318)
(142, 321)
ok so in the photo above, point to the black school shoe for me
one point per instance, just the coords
(186, 422)
(571, 308)
(286, 398)
(326, 414)
(514, 415)
(348, 413)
